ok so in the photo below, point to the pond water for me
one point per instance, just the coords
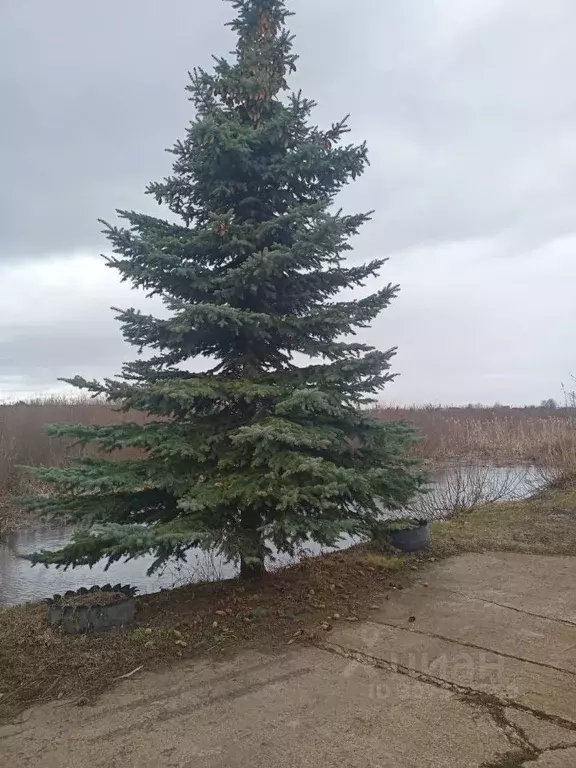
(20, 582)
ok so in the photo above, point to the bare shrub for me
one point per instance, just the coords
(205, 566)
(464, 486)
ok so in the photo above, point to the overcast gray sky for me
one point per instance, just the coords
(470, 112)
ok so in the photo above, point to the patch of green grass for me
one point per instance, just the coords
(544, 524)
(511, 760)
(390, 563)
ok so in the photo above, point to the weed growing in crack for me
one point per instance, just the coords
(516, 759)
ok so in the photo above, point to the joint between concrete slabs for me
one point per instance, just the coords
(473, 598)
(465, 644)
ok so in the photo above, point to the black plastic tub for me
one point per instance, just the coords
(412, 539)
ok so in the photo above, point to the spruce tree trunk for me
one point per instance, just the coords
(251, 570)
(252, 558)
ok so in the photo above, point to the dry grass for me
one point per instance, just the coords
(543, 437)
(496, 434)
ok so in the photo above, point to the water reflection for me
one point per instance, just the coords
(20, 582)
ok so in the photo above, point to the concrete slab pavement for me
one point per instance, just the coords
(534, 584)
(565, 759)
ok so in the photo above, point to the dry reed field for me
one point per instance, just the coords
(23, 438)
(24, 442)
(502, 435)
(498, 434)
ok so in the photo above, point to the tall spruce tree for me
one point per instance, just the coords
(257, 450)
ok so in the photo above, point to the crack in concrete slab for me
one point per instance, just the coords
(520, 758)
(469, 694)
(515, 734)
(516, 759)
(524, 750)
(560, 747)
(465, 644)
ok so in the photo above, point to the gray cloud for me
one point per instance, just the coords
(467, 107)
(470, 116)
(92, 93)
